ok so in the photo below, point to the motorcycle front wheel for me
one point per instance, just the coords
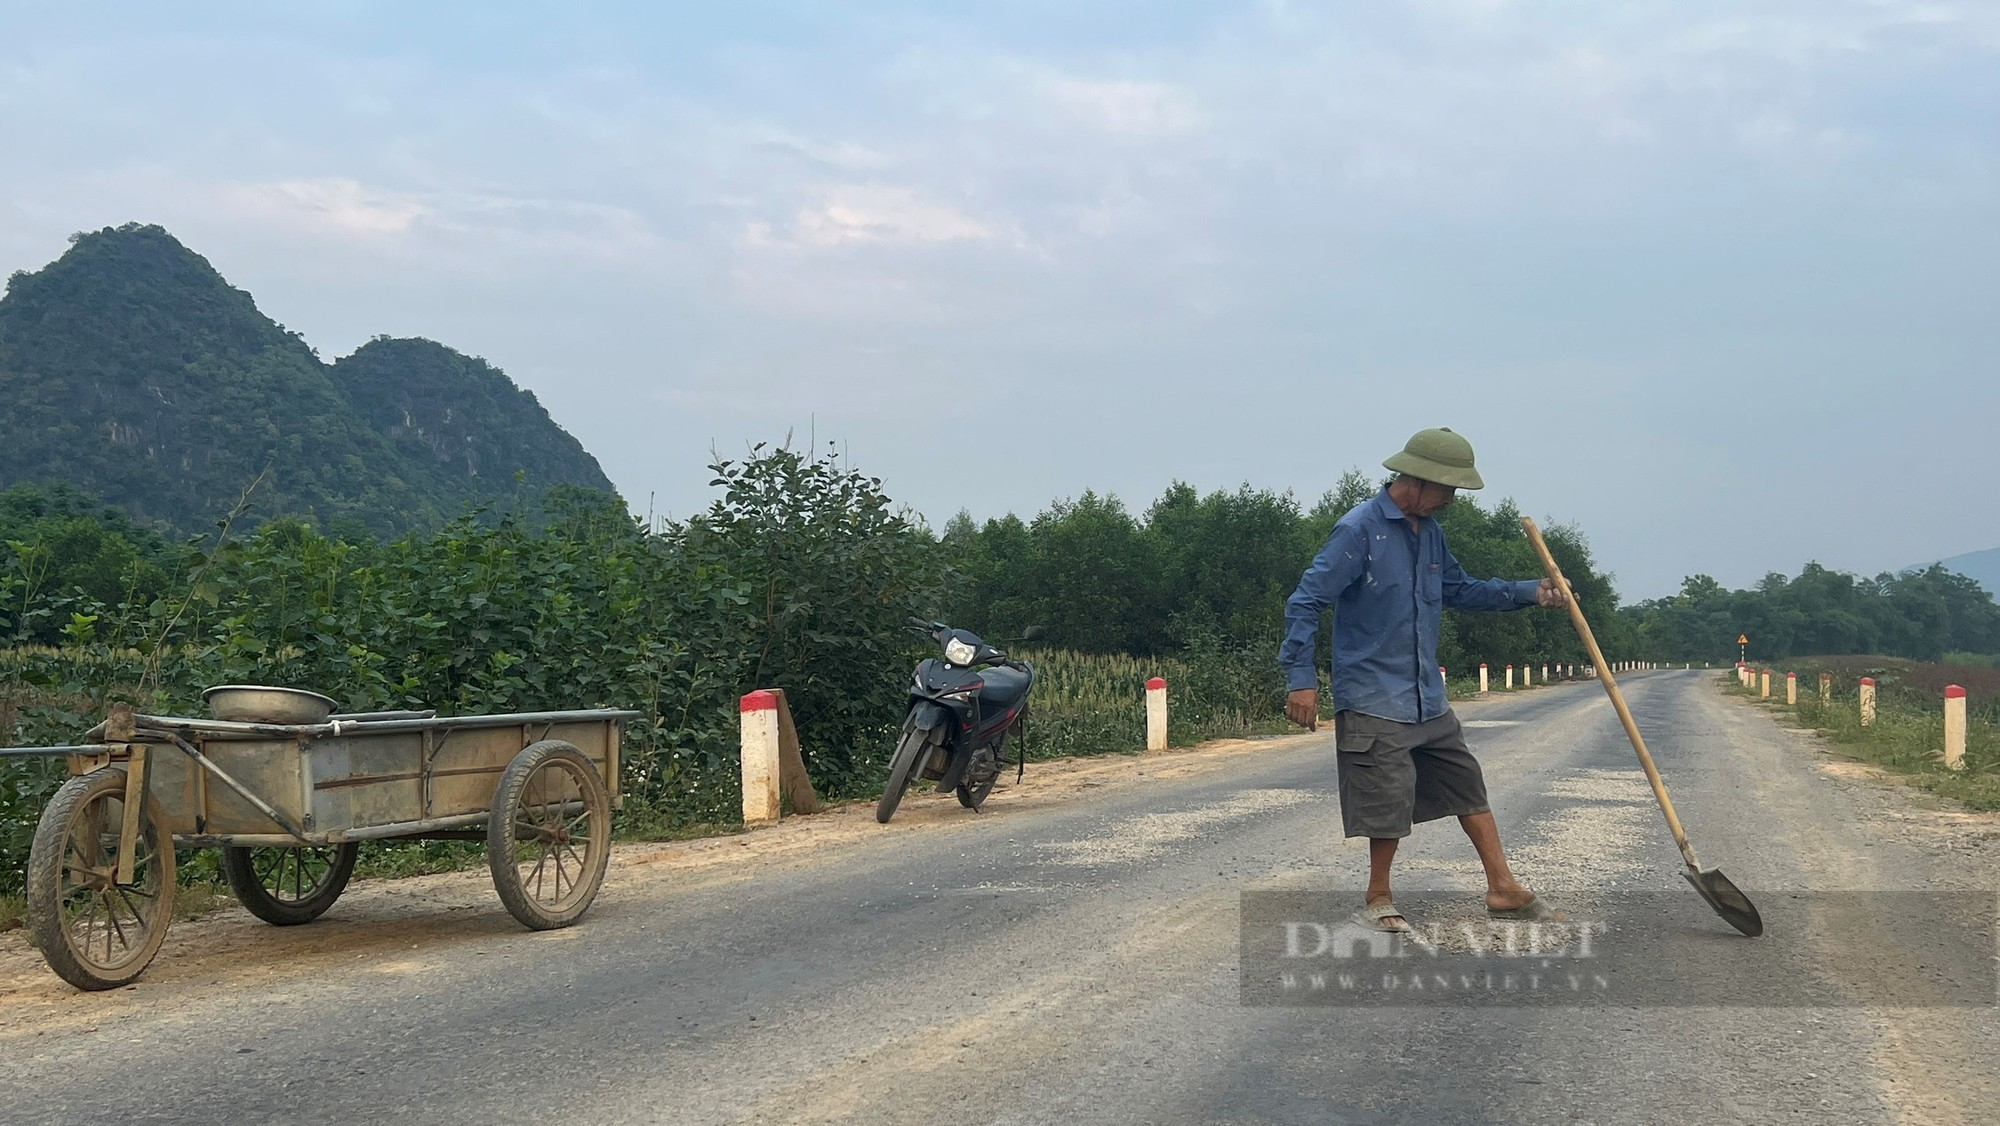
(909, 756)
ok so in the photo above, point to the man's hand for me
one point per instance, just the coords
(1302, 708)
(1551, 595)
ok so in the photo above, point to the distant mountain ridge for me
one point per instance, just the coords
(130, 368)
(1983, 567)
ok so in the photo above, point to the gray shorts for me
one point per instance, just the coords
(1393, 774)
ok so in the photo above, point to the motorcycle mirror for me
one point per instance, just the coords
(1033, 633)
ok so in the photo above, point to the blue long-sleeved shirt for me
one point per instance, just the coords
(1388, 587)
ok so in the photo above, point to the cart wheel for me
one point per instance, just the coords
(289, 886)
(94, 932)
(548, 838)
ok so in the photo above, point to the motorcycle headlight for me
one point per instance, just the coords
(959, 652)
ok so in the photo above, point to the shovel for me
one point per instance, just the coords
(1728, 901)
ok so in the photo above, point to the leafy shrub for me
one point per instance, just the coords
(798, 577)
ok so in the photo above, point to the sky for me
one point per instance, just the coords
(1715, 282)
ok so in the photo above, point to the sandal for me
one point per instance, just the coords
(1533, 911)
(1374, 916)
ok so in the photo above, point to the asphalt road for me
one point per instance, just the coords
(1080, 962)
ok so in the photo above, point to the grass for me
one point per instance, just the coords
(389, 860)
(1905, 739)
(1088, 704)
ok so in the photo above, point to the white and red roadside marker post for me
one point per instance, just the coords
(1482, 678)
(1156, 714)
(1766, 681)
(1826, 690)
(1792, 689)
(1954, 727)
(1444, 678)
(1867, 701)
(1545, 673)
(760, 757)
(774, 768)
(1510, 678)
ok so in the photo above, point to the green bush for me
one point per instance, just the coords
(798, 577)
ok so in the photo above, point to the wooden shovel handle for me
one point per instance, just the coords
(1611, 689)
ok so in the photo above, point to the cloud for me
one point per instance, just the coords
(863, 214)
(479, 224)
(335, 206)
(1120, 107)
(1775, 134)
(840, 156)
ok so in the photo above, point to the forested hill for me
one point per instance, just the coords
(130, 368)
(1982, 567)
(462, 414)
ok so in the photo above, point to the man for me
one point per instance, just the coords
(1402, 758)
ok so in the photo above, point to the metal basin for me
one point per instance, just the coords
(257, 703)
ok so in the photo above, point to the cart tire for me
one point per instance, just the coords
(289, 886)
(548, 838)
(94, 933)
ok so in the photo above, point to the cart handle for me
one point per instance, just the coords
(51, 752)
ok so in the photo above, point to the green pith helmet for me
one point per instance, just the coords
(1438, 455)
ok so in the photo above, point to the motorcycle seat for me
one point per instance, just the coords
(1004, 686)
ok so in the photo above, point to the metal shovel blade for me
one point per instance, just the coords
(1728, 900)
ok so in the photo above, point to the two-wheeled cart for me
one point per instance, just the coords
(289, 804)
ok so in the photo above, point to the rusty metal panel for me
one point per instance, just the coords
(371, 779)
(268, 768)
(598, 740)
(593, 739)
(173, 800)
(466, 764)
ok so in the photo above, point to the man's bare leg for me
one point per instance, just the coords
(1381, 855)
(1503, 891)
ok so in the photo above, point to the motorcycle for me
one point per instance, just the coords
(963, 705)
